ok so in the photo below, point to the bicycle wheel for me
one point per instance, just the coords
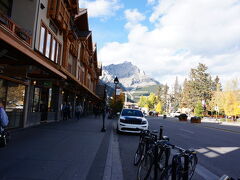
(177, 168)
(138, 154)
(192, 165)
(166, 173)
(163, 159)
(145, 168)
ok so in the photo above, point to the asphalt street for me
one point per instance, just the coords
(218, 149)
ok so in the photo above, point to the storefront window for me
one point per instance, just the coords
(15, 97)
(6, 7)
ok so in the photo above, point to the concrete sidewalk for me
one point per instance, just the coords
(60, 150)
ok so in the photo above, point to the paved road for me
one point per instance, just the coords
(218, 150)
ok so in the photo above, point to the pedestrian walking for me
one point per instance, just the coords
(3, 117)
(65, 111)
(78, 111)
(69, 110)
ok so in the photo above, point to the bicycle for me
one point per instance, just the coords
(155, 161)
(183, 165)
(146, 138)
(141, 145)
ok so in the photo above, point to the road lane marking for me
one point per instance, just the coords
(222, 129)
(191, 132)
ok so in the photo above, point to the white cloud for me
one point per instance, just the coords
(133, 16)
(186, 32)
(151, 1)
(100, 8)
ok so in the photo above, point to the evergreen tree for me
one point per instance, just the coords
(216, 84)
(176, 98)
(159, 93)
(165, 97)
(185, 98)
(200, 85)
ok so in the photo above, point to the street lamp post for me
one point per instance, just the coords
(104, 108)
(116, 81)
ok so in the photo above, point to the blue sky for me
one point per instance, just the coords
(166, 38)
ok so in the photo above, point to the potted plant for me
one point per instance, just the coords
(182, 117)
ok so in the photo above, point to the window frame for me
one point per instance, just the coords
(58, 46)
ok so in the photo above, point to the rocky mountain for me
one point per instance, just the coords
(129, 75)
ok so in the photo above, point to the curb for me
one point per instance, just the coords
(113, 166)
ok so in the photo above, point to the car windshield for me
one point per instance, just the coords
(131, 112)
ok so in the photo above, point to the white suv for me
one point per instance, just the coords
(132, 120)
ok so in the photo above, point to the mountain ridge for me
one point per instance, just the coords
(129, 76)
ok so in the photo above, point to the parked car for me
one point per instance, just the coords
(175, 114)
(132, 120)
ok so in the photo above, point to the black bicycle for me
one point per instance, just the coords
(154, 161)
(145, 142)
(183, 165)
(141, 146)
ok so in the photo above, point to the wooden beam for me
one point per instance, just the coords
(29, 52)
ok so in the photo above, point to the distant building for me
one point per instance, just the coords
(47, 58)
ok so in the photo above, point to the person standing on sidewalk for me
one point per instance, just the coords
(3, 123)
(78, 111)
(3, 117)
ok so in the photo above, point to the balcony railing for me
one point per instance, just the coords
(14, 29)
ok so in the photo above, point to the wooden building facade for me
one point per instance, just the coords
(47, 58)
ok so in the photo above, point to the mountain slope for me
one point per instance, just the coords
(129, 75)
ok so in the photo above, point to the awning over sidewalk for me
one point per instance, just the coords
(14, 42)
(79, 84)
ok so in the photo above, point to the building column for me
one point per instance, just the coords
(27, 104)
(60, 99)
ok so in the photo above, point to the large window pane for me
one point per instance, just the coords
(42, 39)
(15, 96)
(53, 50)
(6, 7)
(48, 45)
